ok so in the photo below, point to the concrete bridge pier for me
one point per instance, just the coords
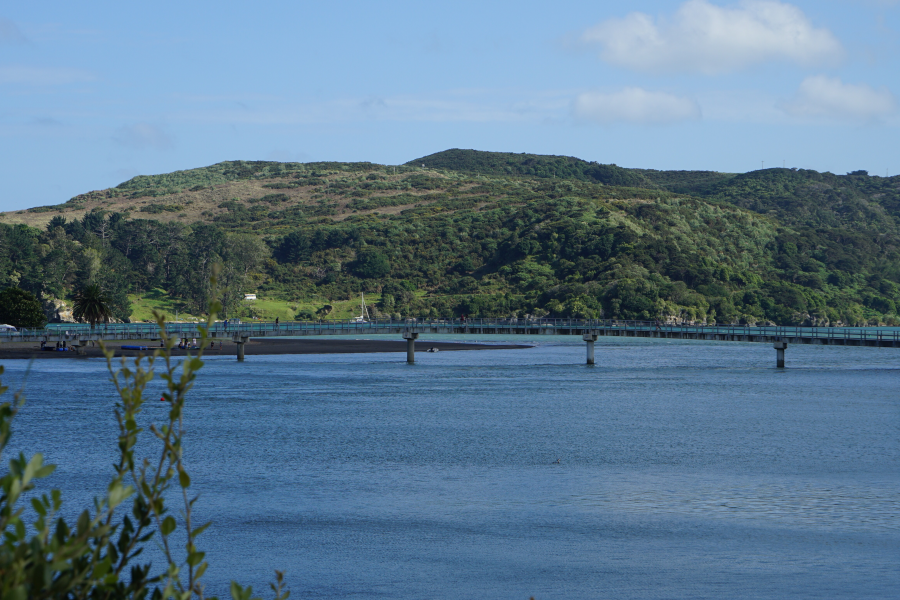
(240, 341)
(780, 347)
(410, 338)
(590, 338)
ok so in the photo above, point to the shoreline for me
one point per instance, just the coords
(254, 347)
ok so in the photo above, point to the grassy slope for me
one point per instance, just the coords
(263, 308)
(278, 194)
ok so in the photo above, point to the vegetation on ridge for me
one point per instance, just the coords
(482, 233)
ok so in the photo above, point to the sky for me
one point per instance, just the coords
(92, 94)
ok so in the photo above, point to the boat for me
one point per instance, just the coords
(363, 311)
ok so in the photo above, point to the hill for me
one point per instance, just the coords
(479, 233)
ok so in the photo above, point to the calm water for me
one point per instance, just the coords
(687, 470)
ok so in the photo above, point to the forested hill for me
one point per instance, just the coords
(479, 233)
(535, 165)
(798, 197)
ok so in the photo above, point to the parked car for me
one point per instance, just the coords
(8, 329)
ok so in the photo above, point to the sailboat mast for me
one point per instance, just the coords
(363, 312)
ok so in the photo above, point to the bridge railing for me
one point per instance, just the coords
(483, 325)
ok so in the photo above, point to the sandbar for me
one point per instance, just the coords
(256, 346)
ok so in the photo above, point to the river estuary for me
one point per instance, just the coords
(685, 469)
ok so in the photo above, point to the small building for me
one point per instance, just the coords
(249, 296)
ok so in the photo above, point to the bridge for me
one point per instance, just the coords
(590, 330)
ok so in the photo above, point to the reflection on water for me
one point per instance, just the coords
(686, 470)
(808, 506)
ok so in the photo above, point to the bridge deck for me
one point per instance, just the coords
(839, 336)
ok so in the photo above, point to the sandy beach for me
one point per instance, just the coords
(27, 350)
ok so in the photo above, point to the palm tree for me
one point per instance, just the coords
(92, 305)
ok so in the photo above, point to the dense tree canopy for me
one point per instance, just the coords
(20, 308)
(371, 264)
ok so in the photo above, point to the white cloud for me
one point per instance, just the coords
(634, 105)
(142, 136)
(43, 76)
(821, 96)
(10, 33)
(705, 38)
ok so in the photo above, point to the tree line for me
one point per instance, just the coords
(121, 256)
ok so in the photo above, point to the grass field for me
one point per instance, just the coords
(143, 305)
(264, 309)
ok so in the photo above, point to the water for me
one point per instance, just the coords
(686, 469)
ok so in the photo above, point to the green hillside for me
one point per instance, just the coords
(477, 233)
(547, 167)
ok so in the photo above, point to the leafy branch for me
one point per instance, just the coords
(98, 558)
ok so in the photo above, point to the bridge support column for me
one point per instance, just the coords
(240, 346)
(780, 347)
(410, 338)
(590, 338)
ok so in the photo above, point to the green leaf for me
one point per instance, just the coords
(241, 593)
(84, 522)
(195, 558)
(14, 490)
(20, 529)
(36, 462)
(168, 525)
(183, 478)
(118, 492)
(44, 471)
(18, 593)
(101, 568)
(39, 507)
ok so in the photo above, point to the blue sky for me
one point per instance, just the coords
(94, 93)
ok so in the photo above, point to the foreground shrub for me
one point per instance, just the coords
(98, 555)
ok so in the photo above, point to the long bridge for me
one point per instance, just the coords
(590, 330)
